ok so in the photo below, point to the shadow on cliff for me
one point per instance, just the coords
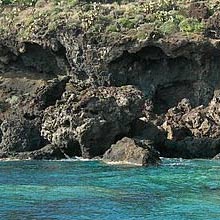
(167, 79)
(34, 61)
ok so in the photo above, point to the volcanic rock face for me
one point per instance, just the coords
(85, 118)
(19, 134)
(132, 151)
(93, 118)
(22, 104)
(188, 75)
(162, 89)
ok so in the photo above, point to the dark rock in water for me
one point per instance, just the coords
(133, 151)
(3, 155)
(93, 117)
(49, 152)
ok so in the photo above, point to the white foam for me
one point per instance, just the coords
(78, 159)
(122, 163)
(13, 159)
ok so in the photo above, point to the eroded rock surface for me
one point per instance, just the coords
(19, 134)
(22, 105)
(193, 132)
(94, 118)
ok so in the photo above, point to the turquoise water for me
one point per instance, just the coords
(76, 190)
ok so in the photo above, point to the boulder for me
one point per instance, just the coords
(93, 117)
(48, 152)
(132, 151)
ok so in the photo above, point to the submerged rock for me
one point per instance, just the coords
(132, 151)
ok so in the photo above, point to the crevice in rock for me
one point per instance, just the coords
(28, 116)
(53, 93)
(1, 134)
(73, 149)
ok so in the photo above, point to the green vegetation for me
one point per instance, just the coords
(129, 18)
(191, 25)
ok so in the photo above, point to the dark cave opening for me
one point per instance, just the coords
(34, 62)
(167, 96)
(39, 59)
(167, 80)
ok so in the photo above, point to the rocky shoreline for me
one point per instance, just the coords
(72, 93)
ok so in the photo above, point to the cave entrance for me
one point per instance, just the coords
(39, 59)
(169, 95)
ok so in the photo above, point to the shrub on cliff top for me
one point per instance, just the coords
(126, 17)
(169, 27)
(191, 25)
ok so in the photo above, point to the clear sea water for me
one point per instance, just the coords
(80, 190)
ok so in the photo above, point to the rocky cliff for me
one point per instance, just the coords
(76, 78)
